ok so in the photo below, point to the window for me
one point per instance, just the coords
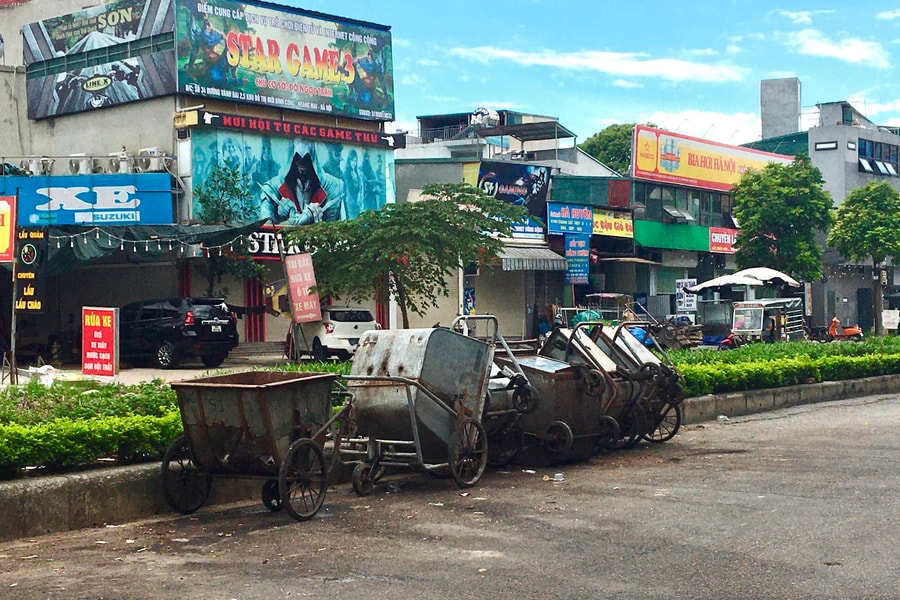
(865, 166)
(881, 167)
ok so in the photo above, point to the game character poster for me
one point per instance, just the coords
(518, 183)
(111, 69)
(295, 180)
(287, 58)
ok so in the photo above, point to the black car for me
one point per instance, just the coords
(168, 330)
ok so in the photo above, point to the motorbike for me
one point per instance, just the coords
(853, 333)
(731, 341)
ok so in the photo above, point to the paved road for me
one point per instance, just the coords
(802, 503)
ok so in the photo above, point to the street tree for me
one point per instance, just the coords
(780, 209)
(612, 147)
(866, 229)
(225, 199)
(408, 250)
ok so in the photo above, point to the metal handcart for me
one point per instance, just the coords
(418, 397)
(266, 425)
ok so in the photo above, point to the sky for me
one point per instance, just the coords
(693, 68)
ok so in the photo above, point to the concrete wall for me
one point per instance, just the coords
(779, 106)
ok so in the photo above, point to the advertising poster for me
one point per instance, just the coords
(302, 283)
(613, 223)
(685, 302)
(7, 228)
(668, 157)
(31, 253)
(81, 37)
(132, 199)
(578, 254)
(298, 181)
(569, 218)
(99, 341)
(722, 240)
(518, 183)
(291, 59)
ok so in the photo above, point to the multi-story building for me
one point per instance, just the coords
(114, 114)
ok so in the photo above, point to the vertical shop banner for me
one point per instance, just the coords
(99, 341)
(522, 184)
(685, 302)
(7, 228)
(119, 31)
(31, 254)
(285, 58)
(302, 283)
(578, 253)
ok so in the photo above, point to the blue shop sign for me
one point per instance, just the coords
(91, 200)
(569, 218)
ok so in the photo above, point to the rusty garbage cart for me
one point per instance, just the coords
(268, 425)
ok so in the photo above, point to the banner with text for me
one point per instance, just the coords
(286, 58)
(722, 240)
(518, 183)
(99, 341)
(302, 283)
(578, 253)
(668, 157)
(7, 228)
(31, 252)
(613, 223)
(569, 218)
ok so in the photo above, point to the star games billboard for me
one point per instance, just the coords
(288, 58)
(668, 157)
(102, 63)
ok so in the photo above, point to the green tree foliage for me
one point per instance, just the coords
(612, 147)
(780, 209)
(225, 199)
(866, 228)
(408, 250)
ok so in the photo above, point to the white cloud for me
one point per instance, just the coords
(814, 43)
(735, 129)
(803, 17)
(875, 108)
(888, 15)
(613, 63)
(626, 84)
(411, 80)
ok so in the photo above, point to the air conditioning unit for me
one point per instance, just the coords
(79, 164)
(47, 165)
(152, 159)
(119, 163)
(30, 165)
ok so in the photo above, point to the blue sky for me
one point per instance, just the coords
(694, 67)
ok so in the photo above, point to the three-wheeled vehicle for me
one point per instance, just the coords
(769, 319)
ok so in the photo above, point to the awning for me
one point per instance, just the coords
(630, 259)
(518, 258)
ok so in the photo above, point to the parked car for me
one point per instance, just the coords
(337, 334)
(167, 331)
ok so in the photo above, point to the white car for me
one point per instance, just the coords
(337, 334)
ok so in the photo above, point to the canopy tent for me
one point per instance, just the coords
(70, 246)
(753, 276)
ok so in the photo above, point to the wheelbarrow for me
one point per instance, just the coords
(266, 425)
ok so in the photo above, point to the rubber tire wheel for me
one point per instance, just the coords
(211, 361)
(166, 357)
(185, 486)
(303, 479)
(558, 438)
(319, 352)
(593, 381)
(270, 497)
(668, 422)
(468, 452)
(609, 433)
(504, 446)
(525, 399)
(632, 427)
(362, 480)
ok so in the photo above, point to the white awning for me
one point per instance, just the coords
(518, 258)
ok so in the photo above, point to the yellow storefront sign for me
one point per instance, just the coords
(607, 222)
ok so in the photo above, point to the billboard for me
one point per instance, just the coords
(132, 199)
(297, 180)
(667, 157)
(285, 58)
(96, 48)
(518, 183)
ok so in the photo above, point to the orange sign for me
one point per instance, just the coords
(7, 228)
(668, 157)
(302, 283)
(722, 240)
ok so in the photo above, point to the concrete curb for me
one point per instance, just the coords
(91, 499)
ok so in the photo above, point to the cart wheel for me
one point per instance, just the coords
(303, 479)
(525, 399)
(632, 427)
(468, 452)
(668, 422)
(363, 482)
(609, 433)
(185, 486)
(558, 438)
(503, 446)
(270, 497)
(593, 381)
